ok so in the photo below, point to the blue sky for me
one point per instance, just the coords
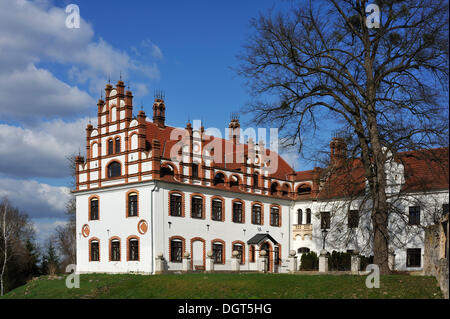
(51, 78)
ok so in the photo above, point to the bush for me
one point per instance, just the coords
(339, 261)
(309, 261)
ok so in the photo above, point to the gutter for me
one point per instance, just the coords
(153, 228)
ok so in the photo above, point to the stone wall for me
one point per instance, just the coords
(434, 264)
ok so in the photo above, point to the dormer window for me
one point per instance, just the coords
(219, 179)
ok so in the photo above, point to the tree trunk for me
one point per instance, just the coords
(5, 255)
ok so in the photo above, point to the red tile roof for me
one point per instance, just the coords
(163, 135)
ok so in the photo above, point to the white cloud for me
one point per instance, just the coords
(34, 32)
(40, 151)
(36, 199)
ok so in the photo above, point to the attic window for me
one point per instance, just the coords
(166, 171)
(219, 179)
(304, 189)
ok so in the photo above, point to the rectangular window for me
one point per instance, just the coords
(95, 254)
(239, 249)
(117, 145)
(197, 207)
(195, 170)
(134, 249)
(325, 220)
(217, 209)
(115, 250)
(175, 205)
(110, 147)
(256, 215)
(274, 216)
(237, 212)
(308, 216)
(413, 257)
(132, 205)
(217, 253)
(353, 219)
(94, 209)
(176, 251)
(414, 215)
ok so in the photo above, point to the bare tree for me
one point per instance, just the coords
(6, 233)
(387, 85)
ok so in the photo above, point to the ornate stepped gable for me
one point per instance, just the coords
(141, 141)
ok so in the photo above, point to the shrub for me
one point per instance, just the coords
(309, 261)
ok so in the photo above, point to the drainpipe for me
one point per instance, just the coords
(153, 229)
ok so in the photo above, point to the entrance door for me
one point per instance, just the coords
(268, 248)
(198, 255)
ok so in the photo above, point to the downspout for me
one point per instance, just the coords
(153, 229)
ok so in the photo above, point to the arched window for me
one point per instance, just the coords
(308, 216)
(216, 209)
(93, 211)
(256, 214)
(237, 212)
(197, 207)
(117, 144)
(240, 249)
(166, 171)
(255, 180)
(132, 204)
(274, 216)
(114, 169)
(219, 179)
(115, 250)
(94, 253)
(176, 250)
(299, 217)
(274, 188)
(110, 147)
(133, 249)
(218, 252)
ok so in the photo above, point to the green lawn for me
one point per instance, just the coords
(228, 285)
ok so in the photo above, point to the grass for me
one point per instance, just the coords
(226, 285)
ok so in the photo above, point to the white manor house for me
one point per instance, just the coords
(135, 202)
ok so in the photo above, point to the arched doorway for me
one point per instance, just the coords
(198, 253)
(269, 253)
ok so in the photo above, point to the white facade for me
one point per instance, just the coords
(128, 157)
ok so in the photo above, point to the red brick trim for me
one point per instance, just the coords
(110, 248)
(183, 243)
(216, 197)
(262, 212)
(204, 250)
(90, 255)
(223, 248)
(203, 204)
(89, 206)
(127, 202)
(243, 249)
(279, 214)
(243, 209)
(182, 202)
(128, 247)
